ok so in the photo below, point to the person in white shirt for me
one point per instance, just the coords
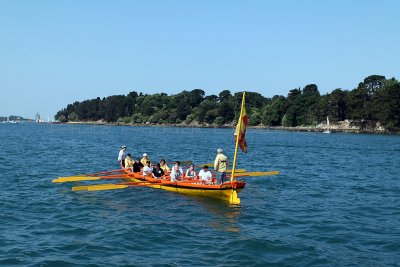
(176, 172)
(147, 170)
(205, 175)
(122, 156)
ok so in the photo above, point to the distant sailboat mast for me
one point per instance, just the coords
(328, 127)
(327, 123)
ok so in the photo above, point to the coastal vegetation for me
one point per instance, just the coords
(13, 118)
(375, 101)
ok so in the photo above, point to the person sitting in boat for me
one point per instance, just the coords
(122, 156)
(137, 166)
(190, 173)
(147, 170)
(129, 162)
(145, 159)
(176, 172)
(157, 172)
(205, 175)
(164, 166)
(220, 165)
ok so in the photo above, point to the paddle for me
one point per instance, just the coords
(79, 176)
(105, 172)
(88, 178)
(98, 187)
(212, 164)
(206, 164)
(187, 162)
(236, 171)
(256, 174)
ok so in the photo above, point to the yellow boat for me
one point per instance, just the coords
(227, 191)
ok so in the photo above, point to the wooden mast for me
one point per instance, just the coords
(234, 199)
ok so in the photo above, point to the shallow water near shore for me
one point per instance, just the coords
(335, 203)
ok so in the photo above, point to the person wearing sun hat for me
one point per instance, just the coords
(145, 159)
(220, 165)
(122, 156)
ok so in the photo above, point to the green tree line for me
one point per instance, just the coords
(375, 99)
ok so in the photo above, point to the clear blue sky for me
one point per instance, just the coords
(53, 53)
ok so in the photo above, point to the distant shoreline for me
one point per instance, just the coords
(335, 128)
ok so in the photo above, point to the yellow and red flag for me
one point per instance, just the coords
(240, 134)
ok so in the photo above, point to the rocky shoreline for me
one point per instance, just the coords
(339, 127)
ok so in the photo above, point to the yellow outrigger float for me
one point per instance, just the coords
(227, 191)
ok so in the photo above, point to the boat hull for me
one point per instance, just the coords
(227, 191)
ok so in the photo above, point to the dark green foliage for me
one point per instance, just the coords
(225, 96)
(336, 105)
(302, 106)
(212, 98)
(255, 117)
(273, 113)
(200, 112)
(226, 110)
(385, 104)
(375, 99)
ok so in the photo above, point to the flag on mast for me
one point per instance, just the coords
(240, 134)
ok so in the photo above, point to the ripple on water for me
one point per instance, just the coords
(334, 204)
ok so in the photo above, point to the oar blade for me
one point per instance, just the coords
(257, 173)
(75, 179)
(237, 170)
(206, 164)
(99, 187)
(187, 162)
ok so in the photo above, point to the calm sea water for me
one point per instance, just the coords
(336, 202)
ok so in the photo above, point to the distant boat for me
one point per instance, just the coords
(11, 121)
(328, 127)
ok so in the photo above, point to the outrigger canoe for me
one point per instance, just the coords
(227, 191)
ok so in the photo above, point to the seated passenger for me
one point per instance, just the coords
(164, 166)
(157, 172)
(129, 162)
(205, 175)
(191, 173)
(147, 170)
(145, 159)
(137, 166)
(176, 172)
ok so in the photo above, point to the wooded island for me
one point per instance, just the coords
(374, 102)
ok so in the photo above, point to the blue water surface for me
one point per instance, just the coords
(335, 203)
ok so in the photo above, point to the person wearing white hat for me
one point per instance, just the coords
(145, 159)
(122, 156)
(220, 165)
